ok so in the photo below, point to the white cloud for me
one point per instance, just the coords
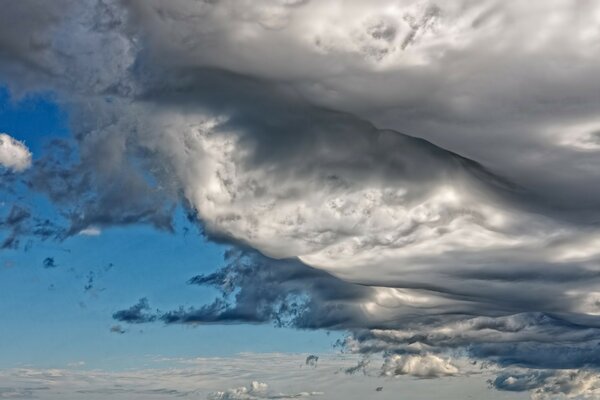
(199, 378)
(559, 384)
(14, 154)
(91, 231)
(421, 366)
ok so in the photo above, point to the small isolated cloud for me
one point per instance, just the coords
(136, 314)
(14, 155)
(312, 360)
(49, 262)
(117, 329)
(257, 391)
(90, 231)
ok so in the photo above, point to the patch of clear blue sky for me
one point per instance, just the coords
(49, 319)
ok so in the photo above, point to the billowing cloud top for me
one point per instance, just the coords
(265, 118)
(14, 155)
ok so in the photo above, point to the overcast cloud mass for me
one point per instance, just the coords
(422, 175)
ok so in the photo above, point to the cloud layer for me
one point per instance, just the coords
(264, 118)
(241, 376)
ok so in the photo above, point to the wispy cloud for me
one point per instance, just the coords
(245, 376)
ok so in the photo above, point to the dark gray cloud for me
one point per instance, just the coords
(20, 223)
(136, 314)
(117, 329)
(90, 195)
(550, 384)
(413, 341)
(49, 262)
(361, 366)
(21, 392)
(312, 360)
(256, 289)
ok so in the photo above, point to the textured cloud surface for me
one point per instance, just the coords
(14, 155)
(245, 376)
(278, 124)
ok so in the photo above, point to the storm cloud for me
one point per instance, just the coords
(471, 237)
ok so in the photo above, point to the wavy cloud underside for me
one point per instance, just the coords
(482, 248)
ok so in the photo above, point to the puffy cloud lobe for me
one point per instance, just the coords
(312, 360)
(14, 155)
(49, 262)
(19, 222)
(99, 187)
(544, 384)
(382, 207)
(136, 314)
(117, 329)
(91, 231)
(422, 366)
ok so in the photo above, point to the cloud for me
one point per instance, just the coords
(477, 236)
(20, 222)
(14, 155)
(256, 289)
(49, 262)
(427, 345)
(91, 193)
(256, 391)
(136, 314)
(551, 384)
(91, 231)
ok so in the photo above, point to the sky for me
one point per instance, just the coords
(270, 199)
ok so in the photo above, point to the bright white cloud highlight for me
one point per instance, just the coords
(14, 155)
